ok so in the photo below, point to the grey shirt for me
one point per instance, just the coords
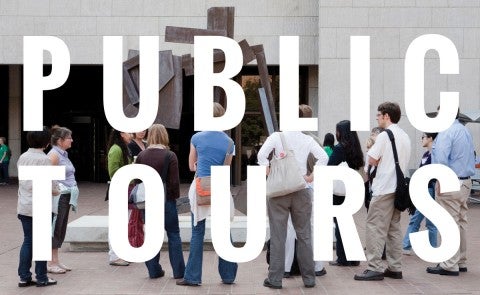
(32, 157)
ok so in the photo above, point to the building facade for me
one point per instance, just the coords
(324, 28)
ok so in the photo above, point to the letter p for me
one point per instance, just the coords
(35, 82)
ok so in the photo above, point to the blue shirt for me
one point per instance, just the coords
(454, 148)
(211, 149)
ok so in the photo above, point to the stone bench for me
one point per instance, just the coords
(90, 233)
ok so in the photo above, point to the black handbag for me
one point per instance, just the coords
(402, 192)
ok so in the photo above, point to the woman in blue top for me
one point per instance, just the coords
(207, 148)
(61, 141)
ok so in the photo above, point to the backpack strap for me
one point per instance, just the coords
(394, 147)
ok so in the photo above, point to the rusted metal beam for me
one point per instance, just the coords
(265, 80)
(186, 35)
(221, 18)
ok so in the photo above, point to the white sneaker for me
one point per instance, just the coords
(407, 252)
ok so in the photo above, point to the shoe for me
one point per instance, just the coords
(267, 283)
(392, 274)
(55, 269)
(161, 274)
(186, 283)
(228, 282)
(462, 269)
(309, 285)
(336, 263)
(48, 282)
(29, 283)
(407, 252)
(438, 270)
(286, 275)
(119, 262)
(369, 275)
(61, 265)
(321, 273)
(354, 263)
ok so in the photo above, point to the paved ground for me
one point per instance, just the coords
(93, 275)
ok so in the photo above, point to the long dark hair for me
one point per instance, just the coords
(350, 142)
(329, 140)
(116, 138)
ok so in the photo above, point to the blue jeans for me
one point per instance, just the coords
(415, 221)
(4, 172)
(193, 272)
(175, 253)
(26, 250)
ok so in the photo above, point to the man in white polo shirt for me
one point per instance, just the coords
(383, 220)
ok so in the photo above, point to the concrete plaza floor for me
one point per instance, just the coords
(91, 273)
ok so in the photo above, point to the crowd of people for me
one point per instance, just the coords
(290, 215)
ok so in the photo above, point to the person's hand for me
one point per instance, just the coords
(308, 178)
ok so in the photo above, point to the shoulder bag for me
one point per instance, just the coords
(203, 184)
(338, 185)
(285, 176)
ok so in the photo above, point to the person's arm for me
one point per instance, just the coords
(372, 161)
(441, 149)
(114, 160)
(319, 154)
(337, 156)
(378, 149)
(4, 154)
(192, 158)
(54, 158)
(173, 181)
(265, 151)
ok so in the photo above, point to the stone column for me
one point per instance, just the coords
(14, 116)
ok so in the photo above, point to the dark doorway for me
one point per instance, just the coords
(78, 105)
(4, 102)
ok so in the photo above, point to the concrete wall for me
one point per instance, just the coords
(392, 25)
(83, 23)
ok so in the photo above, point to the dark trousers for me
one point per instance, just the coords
(26, 251)
(341, 257)
(61, 222)
(4, 172)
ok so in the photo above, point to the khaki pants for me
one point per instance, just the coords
(299, 206)
(383, 227)
(456, 205)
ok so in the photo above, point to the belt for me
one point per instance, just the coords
(464, 178)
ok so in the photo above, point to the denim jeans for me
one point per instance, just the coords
(175, 253)
(4, 172)
(26, 250)
(193, 272)
(414, 224)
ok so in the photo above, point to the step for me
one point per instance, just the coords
(90, 233)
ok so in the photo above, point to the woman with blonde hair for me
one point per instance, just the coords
(207, 148)
(159, 157)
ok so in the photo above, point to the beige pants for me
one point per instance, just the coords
(383, 227)
(456, 205)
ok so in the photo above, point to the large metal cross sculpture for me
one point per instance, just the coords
(220, 23)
